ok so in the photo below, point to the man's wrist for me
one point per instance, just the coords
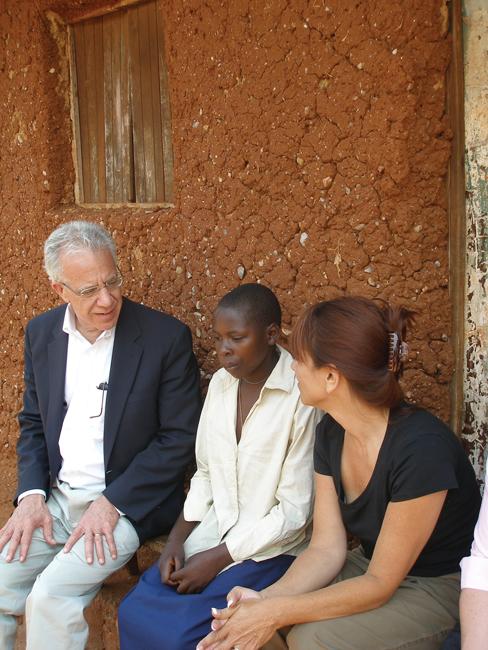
(29, 493)
(122, 514)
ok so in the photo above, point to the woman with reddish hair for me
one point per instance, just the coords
(387, 472)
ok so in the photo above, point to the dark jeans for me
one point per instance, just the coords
(453, 641)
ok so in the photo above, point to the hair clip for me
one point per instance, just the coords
(397, 352)
(392, 350)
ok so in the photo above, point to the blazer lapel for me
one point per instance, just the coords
(126, 356)
(57, 351)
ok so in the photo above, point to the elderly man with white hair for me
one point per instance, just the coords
(107, 428)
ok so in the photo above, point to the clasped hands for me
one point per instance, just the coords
(193, 575)
(246, 623)
(97, 524)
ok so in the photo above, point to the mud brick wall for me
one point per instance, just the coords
(311, 148)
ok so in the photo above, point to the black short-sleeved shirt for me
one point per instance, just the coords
(419, 455)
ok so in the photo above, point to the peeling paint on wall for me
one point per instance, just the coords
(475, 428)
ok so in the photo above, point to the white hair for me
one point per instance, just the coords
(73, 237)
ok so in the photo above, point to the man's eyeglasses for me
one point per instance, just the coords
(111, 284)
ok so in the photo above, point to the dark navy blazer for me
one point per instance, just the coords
(152, 408)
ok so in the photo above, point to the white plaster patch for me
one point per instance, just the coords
(475, 424)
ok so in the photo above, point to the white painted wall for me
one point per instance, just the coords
(475, 428)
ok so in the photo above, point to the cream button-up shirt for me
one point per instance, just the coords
(256, 496)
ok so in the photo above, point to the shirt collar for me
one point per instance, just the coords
(282, 376)
(69, 326)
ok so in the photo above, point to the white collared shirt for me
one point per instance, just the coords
(81, 437)
(256, 496)
(474, 569)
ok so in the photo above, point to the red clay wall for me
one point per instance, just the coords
(311, 148)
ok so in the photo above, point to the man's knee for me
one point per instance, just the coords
(38, 594)
(15, 573)
(15, 584)
(53, 582)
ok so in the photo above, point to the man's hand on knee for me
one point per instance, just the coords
(97, 523)
(31, 513)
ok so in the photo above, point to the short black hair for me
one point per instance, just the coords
(260, 303)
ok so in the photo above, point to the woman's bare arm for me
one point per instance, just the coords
(406, 529)
(474, 619)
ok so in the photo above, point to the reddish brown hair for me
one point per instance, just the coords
(352, 334)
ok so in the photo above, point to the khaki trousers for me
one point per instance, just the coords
(418, 617)
(53, 587)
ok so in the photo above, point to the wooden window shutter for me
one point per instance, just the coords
(121, 111)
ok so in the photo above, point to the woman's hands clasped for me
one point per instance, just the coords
(247, 622)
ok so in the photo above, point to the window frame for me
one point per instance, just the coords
(86, 15)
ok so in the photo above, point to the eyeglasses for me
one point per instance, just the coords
(111, 284)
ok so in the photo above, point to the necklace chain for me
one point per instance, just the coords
(239, 401)
(254, 383)
(239, 394)
(239, 404)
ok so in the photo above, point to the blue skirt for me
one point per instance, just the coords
(154, 616)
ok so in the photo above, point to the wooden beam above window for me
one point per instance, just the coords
(73, 15)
